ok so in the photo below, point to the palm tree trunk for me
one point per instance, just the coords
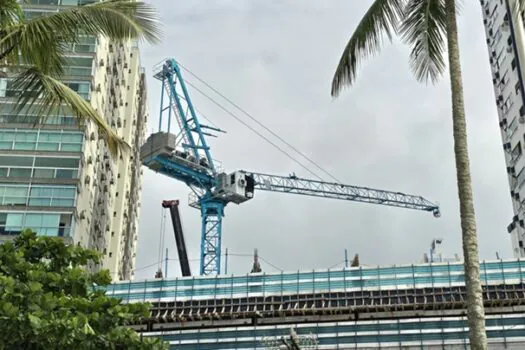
(476, 312)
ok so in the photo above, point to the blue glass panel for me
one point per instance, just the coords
(24, 146)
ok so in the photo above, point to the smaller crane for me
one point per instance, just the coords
(173, 206)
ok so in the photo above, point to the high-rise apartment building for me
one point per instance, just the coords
(59, 179)
(505, 33)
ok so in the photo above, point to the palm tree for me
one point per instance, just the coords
(35, 51)
(429, 27)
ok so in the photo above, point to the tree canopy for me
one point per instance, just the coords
(48, 300)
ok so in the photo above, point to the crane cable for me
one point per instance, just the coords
(259, 123)
(254, 130)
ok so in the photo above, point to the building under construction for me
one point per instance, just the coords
(409, 306)
(419, 306)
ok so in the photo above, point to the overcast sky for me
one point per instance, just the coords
(276, 60)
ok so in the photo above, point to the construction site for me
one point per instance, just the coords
(61, 178)
(421, 306)
(392, 307)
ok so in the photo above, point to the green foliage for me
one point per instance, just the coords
(35, 49)
(420, 23)
(48, 300)
(382, 18)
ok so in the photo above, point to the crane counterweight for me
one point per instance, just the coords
(186, 157)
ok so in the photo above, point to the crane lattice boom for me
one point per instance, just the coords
(315, 188)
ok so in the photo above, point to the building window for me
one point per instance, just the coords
(504, 81)
(34, 13)
(37, 195)
(46, 224)
(80, 87)
(41, 140)
(520, 178)
(44, 2)
(79, 66)
(39, 167)
(61, 116)
(513, 126)
(20, 172)
(516, 152)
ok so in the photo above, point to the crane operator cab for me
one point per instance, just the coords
(237, 187)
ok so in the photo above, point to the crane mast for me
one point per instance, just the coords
(186, 156)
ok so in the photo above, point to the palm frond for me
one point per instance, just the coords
(382, 18)
(38, 45)
(114, 19)
(424, 28)
(43, 43)
(42, 95)
(9, 41)
(10, 14)
(44, 40)
(519, 6)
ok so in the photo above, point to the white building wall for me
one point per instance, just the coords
(121, 91)
(123, 233)
(505, 34)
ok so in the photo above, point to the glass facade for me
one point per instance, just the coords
(41, 140)
(61, 2)
(340, 307)
(79, 66)
(58, 117)
(47, 224)
(40, 167)
(37, 195)
(81, 87)
(22, 166)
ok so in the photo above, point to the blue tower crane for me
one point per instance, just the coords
(186, 156)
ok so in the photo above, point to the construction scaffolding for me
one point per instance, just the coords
(353, 279)
(503, 332)
(407, 305)
(291, 342)
(326, 306)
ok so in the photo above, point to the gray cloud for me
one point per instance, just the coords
(276, 59)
